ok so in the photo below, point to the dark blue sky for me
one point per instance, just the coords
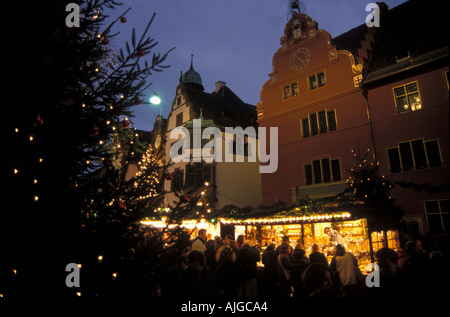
(232, 40)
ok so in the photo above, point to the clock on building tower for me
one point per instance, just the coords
(300, 59)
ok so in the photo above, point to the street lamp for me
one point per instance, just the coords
(155, 99)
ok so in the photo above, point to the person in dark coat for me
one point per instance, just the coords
(269, 260)
(417, 269)
(318, 282)
(248, 257)
(392, 279)
(240, 241)
(284, 243)
(316, 256)
(299, 263)
(197, 281)
(227, 277)
(210, 255)
(283, 270)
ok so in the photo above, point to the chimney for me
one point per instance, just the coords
(219, 85)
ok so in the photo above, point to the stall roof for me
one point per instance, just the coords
(336, 216)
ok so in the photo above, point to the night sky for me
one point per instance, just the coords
(232, 40)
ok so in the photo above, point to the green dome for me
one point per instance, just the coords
(191, 77)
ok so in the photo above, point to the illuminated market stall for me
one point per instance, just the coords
(325, 230)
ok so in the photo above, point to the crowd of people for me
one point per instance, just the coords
(216, 267)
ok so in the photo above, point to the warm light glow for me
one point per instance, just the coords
(31, 138)
(36, 198)
(100, 257)
(16, 171)
(17, 130)
(342, 215)
(155, 100)
(78, 293)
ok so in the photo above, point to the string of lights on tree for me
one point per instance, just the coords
(147, 177)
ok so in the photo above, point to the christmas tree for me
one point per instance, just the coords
(370, 194)
(70, 96)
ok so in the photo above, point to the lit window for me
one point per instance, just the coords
(290, 90)
(286, 92)
(407, 97)
(294, 89)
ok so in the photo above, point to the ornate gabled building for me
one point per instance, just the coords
(230, 183)
(314, 99)
(379, 88)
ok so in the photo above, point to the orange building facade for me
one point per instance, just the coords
(313, 97)
(383, 89)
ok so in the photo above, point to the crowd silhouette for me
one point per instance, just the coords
(216, 267)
